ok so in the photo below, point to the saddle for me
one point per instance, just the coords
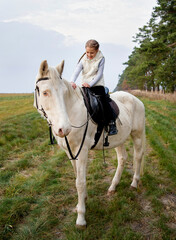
(95, 108)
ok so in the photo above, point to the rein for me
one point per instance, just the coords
(84, 136)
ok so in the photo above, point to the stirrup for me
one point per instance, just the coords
(112, 129)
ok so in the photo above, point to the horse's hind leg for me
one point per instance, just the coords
(121, 157)
(139, 145)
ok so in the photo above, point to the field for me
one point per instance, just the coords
(37, 183)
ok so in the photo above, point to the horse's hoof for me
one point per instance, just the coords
(111, 193)
(81, 227)
(133, 188)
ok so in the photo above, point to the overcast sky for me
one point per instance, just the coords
(34, 30)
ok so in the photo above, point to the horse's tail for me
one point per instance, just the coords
(143, 148)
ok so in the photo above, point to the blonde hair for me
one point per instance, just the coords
(92, 44)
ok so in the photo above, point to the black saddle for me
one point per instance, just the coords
(95, 108)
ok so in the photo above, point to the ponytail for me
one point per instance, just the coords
(82, 57)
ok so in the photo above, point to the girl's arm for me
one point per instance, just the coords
(77, 71)
(99, 73)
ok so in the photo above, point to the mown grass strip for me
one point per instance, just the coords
(166, 129)
(166, 158)
(165, 108)
(160, 131)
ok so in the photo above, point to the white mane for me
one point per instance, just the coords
(55, 75)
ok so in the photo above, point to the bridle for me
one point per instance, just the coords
(37, 91)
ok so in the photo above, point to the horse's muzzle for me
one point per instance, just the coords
(63, 132)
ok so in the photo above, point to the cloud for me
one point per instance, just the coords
(32, 31)
(112, 21)
(24, 46)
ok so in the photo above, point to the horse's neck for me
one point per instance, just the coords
(75, 104)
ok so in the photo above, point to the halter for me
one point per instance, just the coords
(52, 138)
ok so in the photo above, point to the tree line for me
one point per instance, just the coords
(152, 63)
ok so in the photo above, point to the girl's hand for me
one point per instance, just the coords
(86, 85)
(73, 85)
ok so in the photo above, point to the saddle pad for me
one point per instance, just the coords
(115, 109)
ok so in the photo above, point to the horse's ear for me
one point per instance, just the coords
(60, 67)
(43, 68)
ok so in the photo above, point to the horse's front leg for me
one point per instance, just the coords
(81, 168)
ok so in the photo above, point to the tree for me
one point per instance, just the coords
(152, 64)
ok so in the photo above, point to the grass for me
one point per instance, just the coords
(37, 183)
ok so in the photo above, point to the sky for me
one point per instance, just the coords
(56, 30)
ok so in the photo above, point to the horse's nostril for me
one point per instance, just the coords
(60, 130)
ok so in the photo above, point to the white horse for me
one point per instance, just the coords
(64, 107)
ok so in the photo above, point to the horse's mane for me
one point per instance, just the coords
(71, 91)
(77, 90)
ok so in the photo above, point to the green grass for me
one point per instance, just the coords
(37, 183)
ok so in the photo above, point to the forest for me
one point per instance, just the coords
(152, 63)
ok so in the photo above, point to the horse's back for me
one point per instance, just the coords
(125, 97)
(134, 107)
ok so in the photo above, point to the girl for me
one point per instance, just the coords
(92, 65)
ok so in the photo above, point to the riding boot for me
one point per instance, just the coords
(112, 128)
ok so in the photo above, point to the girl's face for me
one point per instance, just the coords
(91, 52)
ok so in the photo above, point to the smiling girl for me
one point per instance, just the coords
(92, 66)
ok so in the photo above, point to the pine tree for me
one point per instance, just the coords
(152, 64)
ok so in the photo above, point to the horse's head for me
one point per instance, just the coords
(49, 98)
